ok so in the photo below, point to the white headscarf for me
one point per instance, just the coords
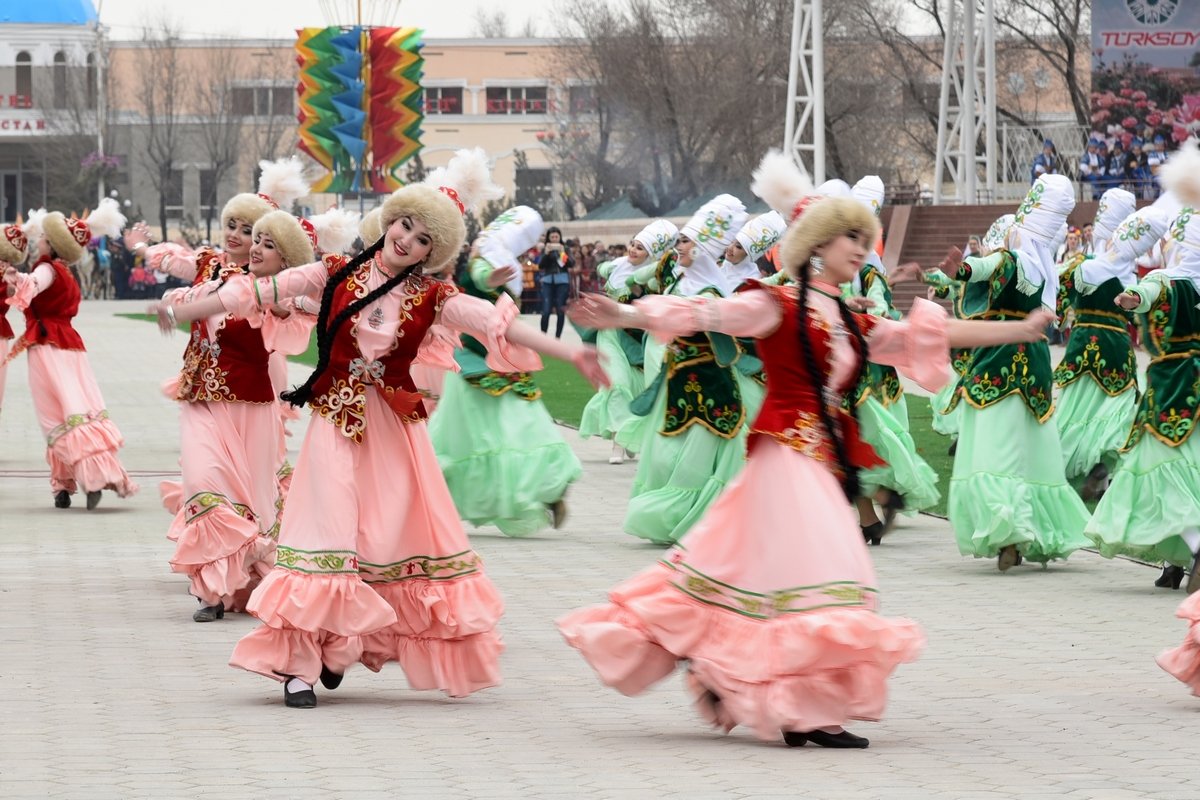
(1183, 257)
(834, 187)
(1038, 221)
(507, 237)
(1135, 236)
(996, 235)
(756, 237)
(870, 191)
(712, 229)
(658, 237)
(1115, 206)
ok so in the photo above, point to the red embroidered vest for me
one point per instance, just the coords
(233, 367)
(790, 412)
(48, 318)
(340, 394)
(6, 331)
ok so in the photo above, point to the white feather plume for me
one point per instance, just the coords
(283, 181)
(33, 224)
(470, 176)
(1181, 174)
(106, 219)
(336, 229)
(779, 183)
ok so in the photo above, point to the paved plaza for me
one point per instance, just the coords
(1035, 683)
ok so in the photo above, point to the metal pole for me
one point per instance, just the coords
(789, 128)
(989, 76)
(101, 104)
(970, 129)
(943, 134)
(817, 26)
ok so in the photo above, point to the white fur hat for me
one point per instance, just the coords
(293, 241)
(12, 244)
(69, 237)
(823, 221)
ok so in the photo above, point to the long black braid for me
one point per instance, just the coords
(327, 329)
(850, 485)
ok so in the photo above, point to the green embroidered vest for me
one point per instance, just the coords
(1099, 347)
(1002, 370)
(1168, 407)
(471, 357)
(883, 381)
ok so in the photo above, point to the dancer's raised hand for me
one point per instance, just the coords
(138, 233)
(166, 317)
(600, 311)
(950, 263)
(1127, 300)
(501, 275)
(860, 304)
(908, 271)
(1036, 323)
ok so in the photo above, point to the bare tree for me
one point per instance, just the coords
(491, 24)
(268, 131)
(162, 84)
(221, 126)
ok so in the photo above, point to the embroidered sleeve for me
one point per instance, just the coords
(750, 312)
(980, 268)
(246, 298)
(443, 291)
(174, 259)
(488, 323)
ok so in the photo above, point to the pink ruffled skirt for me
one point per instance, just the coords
(5, 346)
(373, 566)
(1184, 661)
(771, 598)
(81, 441)
(226, 512)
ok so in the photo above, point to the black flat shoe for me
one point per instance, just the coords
(329, 678)
(558, 513)
(953, 448)
(208, 613)
(873, 533)
(1171, 577)
(62, 499)
(795, 738)
(304, 699)
(843, 741)
(93, 500)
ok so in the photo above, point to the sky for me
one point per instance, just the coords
(271, 19)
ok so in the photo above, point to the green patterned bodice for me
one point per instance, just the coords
(996, 372)
(471, 357)
(883, 382)
(1099, 347)
(1169, 405)
(699, 390)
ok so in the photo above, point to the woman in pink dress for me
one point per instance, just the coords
(373, 564)
(771, 598)
(12, 252)
(81, 441)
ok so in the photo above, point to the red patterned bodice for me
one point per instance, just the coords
(340, 395)
(790, 412)
(6, 331)
(48, 318)
(230, 367)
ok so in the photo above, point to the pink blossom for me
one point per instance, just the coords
(1126, 91)
(1100, 116)
(1179, 133)
(1139, 95)
(1140, 104)
(1129, 122)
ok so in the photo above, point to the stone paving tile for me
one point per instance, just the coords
(1035, 683)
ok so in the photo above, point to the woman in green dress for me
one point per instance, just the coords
(504, 459)
(623, 351)
(1008, 494)
(1151, 510)
(904, 481)
(695, 432)
(1098, 373)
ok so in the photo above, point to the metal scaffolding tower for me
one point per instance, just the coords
(967, 109)
(804, 133)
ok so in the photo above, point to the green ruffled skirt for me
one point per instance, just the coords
(905, 473)
(1008, 486)
(633, 432)
(946, 424)
(503, 458)
(1092, 426)
(608, 409)
(1154, 496)
(678, 477)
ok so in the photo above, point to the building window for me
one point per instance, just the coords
(261, 101)
(60, 79)
(443, 100)
(90, 92)
(24, 95)
(582, 99)
(535, 188)
(516, 100)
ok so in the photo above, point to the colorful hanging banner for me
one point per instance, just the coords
(360, 104)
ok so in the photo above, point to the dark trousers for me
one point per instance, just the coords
(554, 298)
